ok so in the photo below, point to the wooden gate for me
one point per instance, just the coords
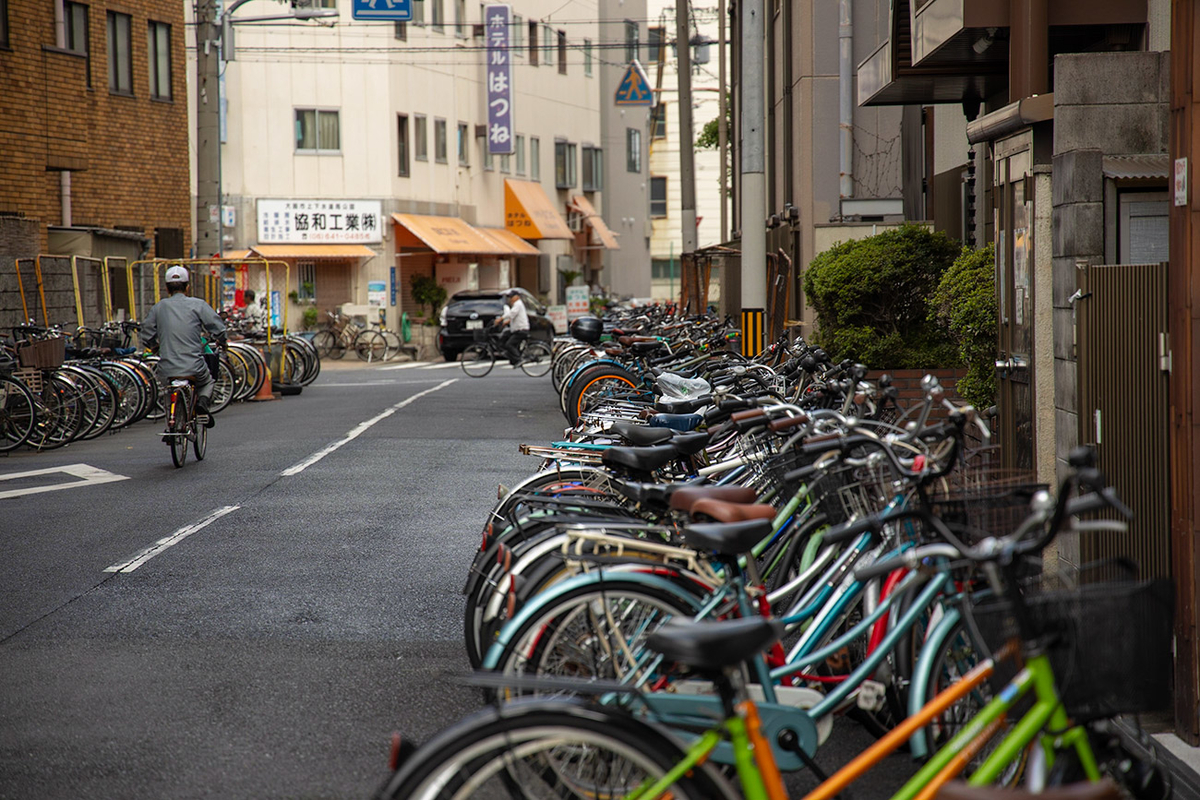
(1123, 406)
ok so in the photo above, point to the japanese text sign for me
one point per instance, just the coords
(496, 20)
(319, 221)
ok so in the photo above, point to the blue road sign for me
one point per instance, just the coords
(391, 10)
(634, 89)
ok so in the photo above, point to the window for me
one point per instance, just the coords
(120, 54)
(533, 43)
(662, 269)
(436, 15)
(548, 45)
(306, 280)
(77, 32)
(1143, 231)
(658, 121)
(562, 52)
(535, 158)
(633, 150)
(464, 141)
(325, 3)
(593, 169)
(631, 40)
(564, 165)
(158, 56)
(420, 145)
(520, 148)
(317, 130)
(460, 18)
(489, 161)
(518, 35)
(418, 13)
(401, 32)
(658, 196)
(656, 38)
(505, 163)
(587, 57)
(439, 141)
(3, 23)
(402, 143)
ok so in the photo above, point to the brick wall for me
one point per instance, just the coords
(908, 382)
(128, 156)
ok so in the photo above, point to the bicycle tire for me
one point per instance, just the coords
(60, 414)
(370, 346)
(18, 414)
(514, 745)
(394, 344)
(200, 440)
(177, 414)
(325, 341)
(222, 388)
(595, 383)
(131, 395)
(535, 360)
(478, 360)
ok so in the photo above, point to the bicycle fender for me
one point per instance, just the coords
(922, 677)
(538, 604)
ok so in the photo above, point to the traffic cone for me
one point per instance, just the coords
(264, 391)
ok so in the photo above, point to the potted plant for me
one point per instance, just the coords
(310, 317)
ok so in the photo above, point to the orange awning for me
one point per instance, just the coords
(515, 245)
(235, 255)
(529, 213)
(443, 235)
(593, 220)
(312, 251)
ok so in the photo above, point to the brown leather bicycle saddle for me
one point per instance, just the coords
(683, 498)
(722, 511)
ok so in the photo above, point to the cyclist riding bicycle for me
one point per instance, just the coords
(515, 322)
(176, 328)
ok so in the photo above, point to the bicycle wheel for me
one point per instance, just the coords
(477, 360)
(593, 385)
(393, 343)
(223, 388)
(326, 342)
(535, 361)
(17, 414)
(132, 400)
(177, 414)
(561, 749)
(200, 442)
(370, 346)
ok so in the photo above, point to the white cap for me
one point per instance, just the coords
(177, 275)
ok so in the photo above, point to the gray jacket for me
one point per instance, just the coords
(175, 326)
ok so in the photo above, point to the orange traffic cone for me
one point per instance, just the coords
(264, 391)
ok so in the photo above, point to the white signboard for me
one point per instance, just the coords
(558, 316)
(577, 302)
(320, 221)
(1181, 181)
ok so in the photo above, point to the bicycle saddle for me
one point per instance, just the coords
(638, 435)
(722, 511)
(1101, 790)
(714, 645)
(641, 459)
(727, 538)
(688, 444)
(683, 498)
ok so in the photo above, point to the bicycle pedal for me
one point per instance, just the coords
(871, 696)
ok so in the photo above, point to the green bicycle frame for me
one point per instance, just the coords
(1037, 676)
(751, 779)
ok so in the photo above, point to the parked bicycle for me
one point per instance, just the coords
(343, 333)
(479, 358)
(183, 426)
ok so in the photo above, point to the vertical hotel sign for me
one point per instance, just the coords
(497, 19)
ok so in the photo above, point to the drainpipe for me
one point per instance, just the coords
(845, 106)
(64, 182)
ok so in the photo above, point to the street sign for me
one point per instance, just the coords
(497, 18)
(390, 10)
(634, 89)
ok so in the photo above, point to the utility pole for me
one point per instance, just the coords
(722, 121)
(208, 131)
(754, 180)
(687, 140)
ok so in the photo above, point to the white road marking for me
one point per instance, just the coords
(88, 476)
(408, 365)
(394, 382)
(175, 538)
(359, 430)
(447, 365)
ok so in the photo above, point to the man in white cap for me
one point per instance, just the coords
(176, 329)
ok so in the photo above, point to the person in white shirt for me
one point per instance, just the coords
(515, 322)
(255, 314)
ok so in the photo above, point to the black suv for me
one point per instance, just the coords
(472, 310)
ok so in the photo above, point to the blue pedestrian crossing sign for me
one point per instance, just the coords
(634, 89)
(391, 10)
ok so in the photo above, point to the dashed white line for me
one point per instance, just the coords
(361, 428)
(129, 565)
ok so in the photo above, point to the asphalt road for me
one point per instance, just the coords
(255, 625)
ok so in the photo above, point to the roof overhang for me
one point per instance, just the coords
(1010, 119)
(444, 235)
(604, 236)
(509, 242)
(529, 213)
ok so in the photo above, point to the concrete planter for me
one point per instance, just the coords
(424, 338)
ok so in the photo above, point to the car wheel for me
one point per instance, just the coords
(450, 355)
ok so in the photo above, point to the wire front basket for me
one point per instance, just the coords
(980, 503)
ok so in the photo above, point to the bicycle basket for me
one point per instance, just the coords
(42, 353)
(1110, 643)
(989, 503)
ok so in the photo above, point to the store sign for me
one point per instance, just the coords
(320, 221)
(497, 19)
(558, 316)
(577, 302)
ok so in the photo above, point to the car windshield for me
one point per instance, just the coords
(474, 305)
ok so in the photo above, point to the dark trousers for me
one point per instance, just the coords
(512, 341)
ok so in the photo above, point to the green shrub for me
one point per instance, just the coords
(965, 304)
(310, 317)
(871, 297)
(428, 292)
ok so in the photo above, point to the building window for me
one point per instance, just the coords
(436, 15)
(505, 163)
(120, 54)
(587, 57)
(631, 40)
(420, 145)
(464, 142)
(3, 23)
(593, 169)
(633, 150)
(306, 280)
(658, 196)
(656, 38)
(460, 18)
(317, 130)
(562, 52)
(518, 35)
(325, 3)
(658, 121)
(535, 158)
(158, 56)
(520, 148)
(418, 13)
(402, 143)
(1143, 232)
(439, 141)
(401, 32)
(564, 165)
(548, 45)
(77, 32)
(533, 43)
(489, 161)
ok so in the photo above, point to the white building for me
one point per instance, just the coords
(666, 241)
(385, 122)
